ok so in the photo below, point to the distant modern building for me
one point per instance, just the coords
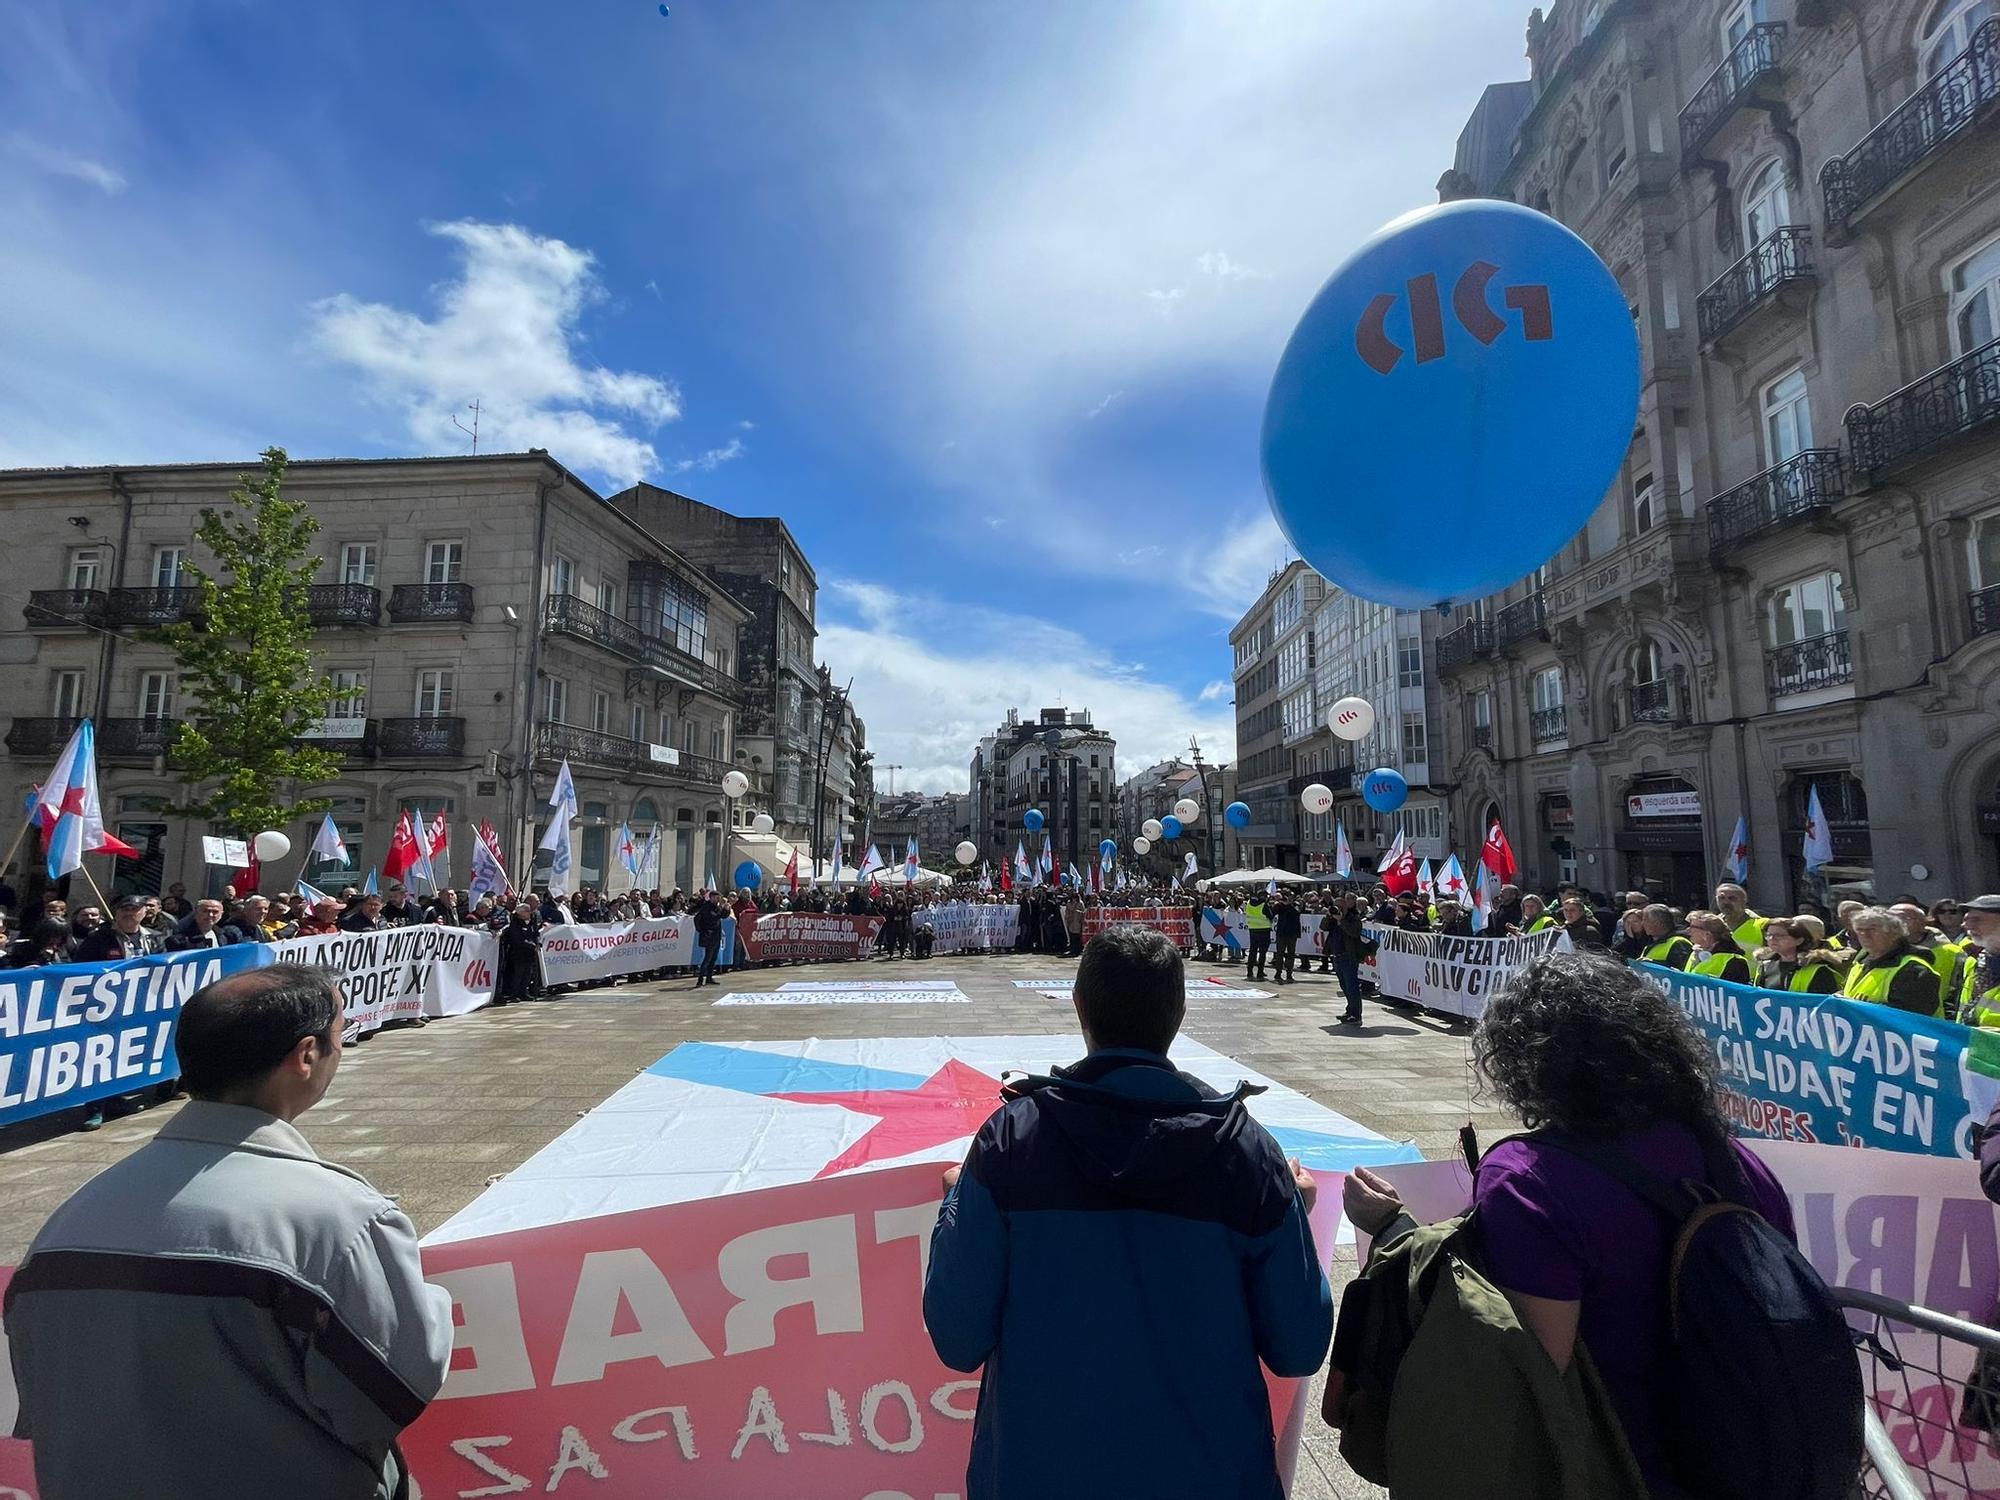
(1152, 794)
(1277, 703)
(1059, 764)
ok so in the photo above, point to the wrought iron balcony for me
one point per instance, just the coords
(1334, 779)
(1522, 620)
(1651, 702)
(1551, 723)
(588, 747)
(1803, 484)
(1809, 665)
(1783, 258)
(66, 607)
(135, 739)
(153, 607)
(45, 737)
(566, 614)
(343, 603)
(1752, 61)
(1962, 92)
(1482, 737)
(430, 603)
(439, 737)
(1928, 414)
(1984, 607)
(1472, 639)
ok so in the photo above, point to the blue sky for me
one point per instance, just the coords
(983, 299)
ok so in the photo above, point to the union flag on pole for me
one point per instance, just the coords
(404, 854)
(792, 870)
(1497, 854)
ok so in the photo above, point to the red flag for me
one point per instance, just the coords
(792, 870)
(402, 848)
(440, 835)
(1006, 876)
(1498, 854)
(1400, 874)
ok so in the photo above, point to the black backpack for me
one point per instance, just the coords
(1764, 1385)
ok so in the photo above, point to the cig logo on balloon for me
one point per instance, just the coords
(1469, 304)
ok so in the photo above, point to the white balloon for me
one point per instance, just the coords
(763, 823)
(1187, 809)
(1352, 718)
(270, 845)
(1142, 845)
(967, 852)
(734, 784)
(1316, 798)
(1151, 828)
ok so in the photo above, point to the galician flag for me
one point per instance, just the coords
(1484, 894)
(371, 886)
(1737, 860)
(870, 863)
(326, 845)
(312, 895)
(1451, 884)
(1343, 856)
(628, 851)
(1426, 881)
(489, 873)
(1819, 835)
(421, 867)
(910, 865)
(649, 860)
(68, 808)
(1021, 870)
(839, 848)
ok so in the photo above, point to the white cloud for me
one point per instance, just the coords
(505, 333)
(1102, 407)
(1213, 692)
(927, 695)
(1163, 300)
(713, 458)
(65, 163)
(1217, 263)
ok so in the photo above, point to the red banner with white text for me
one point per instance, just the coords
(1177, 922)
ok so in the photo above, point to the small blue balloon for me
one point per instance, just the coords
(663, 10)
(1453, 405)
(1108, 848)
(1384, 789)
(1237, 815)
(1170, 826)
(1032, 820)
(749, 875)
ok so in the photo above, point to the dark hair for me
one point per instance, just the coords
(1130, 988)
(1582, 1042)
(234, 1031)
(51, 932)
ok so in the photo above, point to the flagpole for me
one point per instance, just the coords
(14, 848)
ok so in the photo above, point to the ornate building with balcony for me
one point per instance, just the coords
(485, 619)
(1058, 763)
(1794, 581)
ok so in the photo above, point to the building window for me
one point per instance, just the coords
(600, 712)
(1767, 205)
(1648, 663)
(357, 563)
(1949, 31)
(86, 566)
(1611, 132)
(1547, 689)
(167, 565)
(350, 815)
(1787, 419)
(562, 576)
(66, 696)
(1643, 515)
(444, 562)
(436, 687)
(715, 744)
(156, 696)
(1806, 610)
(1416, 745)
(639, 721)
(607, 597)
(1410, 661)
(1975, 299)
(555, 700)
(1737, 20)
(351, 686)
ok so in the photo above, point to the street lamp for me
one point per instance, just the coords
(1208, 812)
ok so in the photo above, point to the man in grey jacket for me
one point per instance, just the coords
(222, 1312)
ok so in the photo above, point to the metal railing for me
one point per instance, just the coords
(1821, 661)
(1806, 482)
(1334, 779)
(1550, 723)
(558, 742)
(1781, 258)
(1927, 414)
(1523, 619)
(66, 606)
(1482, 737)
(1472, 639)
(153, 607)
(1927, 1422)
(566, 614)
(1749, 62)
(135, 739)
(1958, 94)
(39, 736)
(420, 603)
(424, 738)
(343, 603)
(1650, 702)
(1983, 608)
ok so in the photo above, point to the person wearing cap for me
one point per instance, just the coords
(124, 936)
(1979, 994)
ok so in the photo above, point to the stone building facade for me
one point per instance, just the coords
(1073, 785)
(491, 616)
(1794, 583)
(1275, 673)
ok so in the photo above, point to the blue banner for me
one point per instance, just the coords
(1846, 1072)
(72, 1033)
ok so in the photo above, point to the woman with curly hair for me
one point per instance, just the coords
(1582, 1045)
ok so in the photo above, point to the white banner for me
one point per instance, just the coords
(968, 927)
(1453, 974)
(402, 972)
(576, 955)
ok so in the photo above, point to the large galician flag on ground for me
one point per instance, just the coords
(711, 1284)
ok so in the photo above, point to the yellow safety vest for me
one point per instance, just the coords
(1949, 960)
(1716, 966)
(1977, 1007)
(1544, 920)
(1255, 917)
(1671, 951)
(1749, 933)
(1801, 981)
(1872, 983)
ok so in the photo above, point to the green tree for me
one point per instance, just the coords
(246, 667)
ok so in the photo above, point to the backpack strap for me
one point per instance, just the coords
(1676, 1201)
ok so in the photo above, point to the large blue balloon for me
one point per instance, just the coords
(1170, 827)
(1452, 406)
(1032, 820)
(748, 876)
(1108, 848)
(1237, 815)
(1384, 789)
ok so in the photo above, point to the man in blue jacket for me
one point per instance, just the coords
(1121, 1248)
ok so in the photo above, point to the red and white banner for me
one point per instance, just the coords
(806, 935)
(401, 973)
(1177, 922)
